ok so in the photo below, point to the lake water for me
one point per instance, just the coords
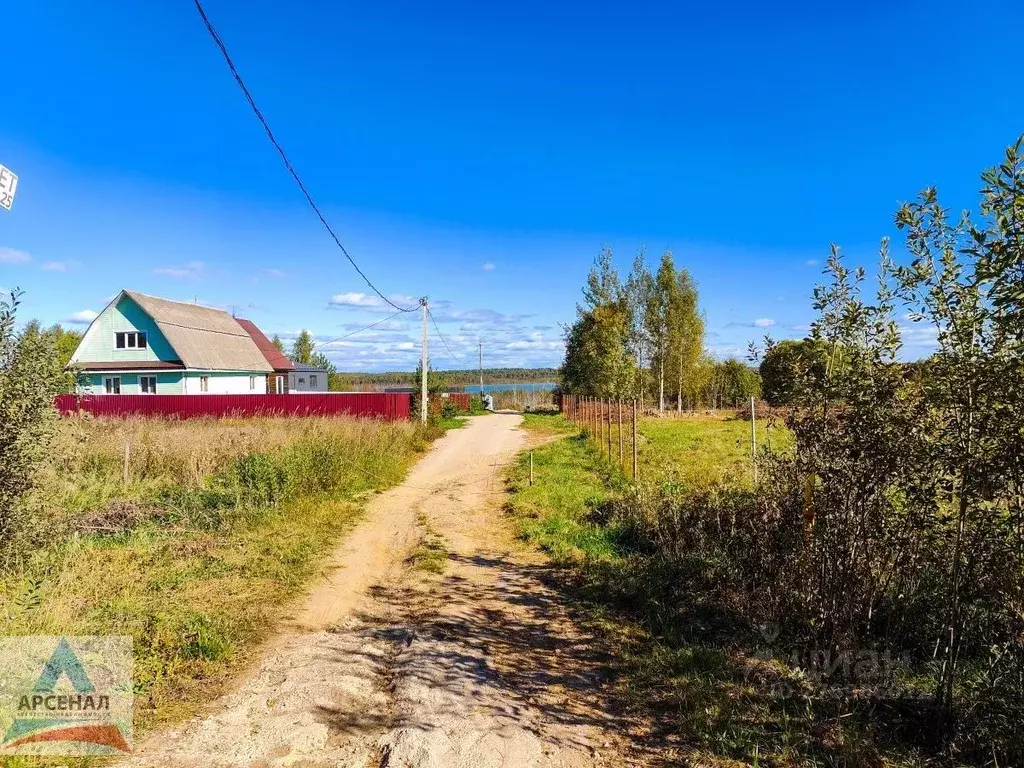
(524, 387)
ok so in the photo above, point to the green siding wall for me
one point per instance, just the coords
(98, 346)
(166, 383)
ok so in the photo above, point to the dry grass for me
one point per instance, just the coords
(195, 556)
(679, 664)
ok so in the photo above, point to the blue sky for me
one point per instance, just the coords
(482, 155)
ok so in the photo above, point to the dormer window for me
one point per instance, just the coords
(130, 339)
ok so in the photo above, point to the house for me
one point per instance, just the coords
(307, 378)
(140, 344)
(278, 381)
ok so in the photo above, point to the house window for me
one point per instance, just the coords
(130, 339)
(302, 379)
(279, 385)
(204, 383)
(312, 380)
(112, 385)
(252, 383)
(147, 385)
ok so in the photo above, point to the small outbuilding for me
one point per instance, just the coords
(307, 378)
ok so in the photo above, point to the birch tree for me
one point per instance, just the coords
(686, 331)
(658, 320)
(639, 289)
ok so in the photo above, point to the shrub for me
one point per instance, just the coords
(30, 376)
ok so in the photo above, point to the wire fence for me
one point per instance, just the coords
(610, 424)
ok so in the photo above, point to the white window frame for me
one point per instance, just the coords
(143, 390)
(111, 383)
(132, 340)
(279, 385)
(204, 383)
(252, 383)
(312, 380)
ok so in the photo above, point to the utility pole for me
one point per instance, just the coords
(481, 368)
(423, 365)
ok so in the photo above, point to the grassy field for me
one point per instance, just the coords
(218, 524)
(704, 450)
(680, 662)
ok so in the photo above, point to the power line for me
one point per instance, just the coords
(284, 157)
(442, 337)
(368, 327)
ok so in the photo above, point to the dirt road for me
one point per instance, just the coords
(386, 664)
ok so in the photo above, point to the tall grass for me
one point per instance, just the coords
(218, 524)
(667, 570)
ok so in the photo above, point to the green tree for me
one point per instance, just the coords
(435, 383)
(740, 382)
(965, 281)
(30, 375)
(639, 289)
(276, 341)
(658, 319)
(788, 368)
(686, 331)
(302, 348)
(598, 360)
(64, 343)
(320, 360)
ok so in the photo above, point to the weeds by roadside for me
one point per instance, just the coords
(218, 524)
(712, 684)
(432, 553)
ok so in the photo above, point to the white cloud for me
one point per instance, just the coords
(356, 300)
(353, 299)
(59, 266)
(11, 256)
(274, 272)
(387, 325)
(764, 322)
(190, 271)
(84, 317)
(723, 351)
(488, 267)
(811, 262)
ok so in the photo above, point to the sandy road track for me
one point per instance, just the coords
(386, 665)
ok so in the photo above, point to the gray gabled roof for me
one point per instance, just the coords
(203, 337)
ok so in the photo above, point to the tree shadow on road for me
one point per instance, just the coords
(494, 640)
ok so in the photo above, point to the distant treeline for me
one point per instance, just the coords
(359, 380)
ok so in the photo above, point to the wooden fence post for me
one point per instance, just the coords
(127, 457)
(618, 408)
(609, 425)
(753, 438)
(635, 451)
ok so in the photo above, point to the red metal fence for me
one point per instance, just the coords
(382, 405)
(460, 399)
